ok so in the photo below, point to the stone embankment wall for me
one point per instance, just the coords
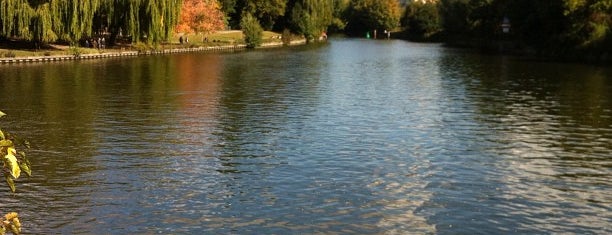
(32, 59)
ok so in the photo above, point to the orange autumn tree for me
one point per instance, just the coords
(200, 16)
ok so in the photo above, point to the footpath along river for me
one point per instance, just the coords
(348, 137)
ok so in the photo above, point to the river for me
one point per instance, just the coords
(349, 137)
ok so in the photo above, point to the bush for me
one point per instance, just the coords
(10, 54)
(252, 30)
(141, 47)
(286, 37)
(75, 50)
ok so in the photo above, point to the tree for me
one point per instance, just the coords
(312, 17)
(537, 23)
(590, 23)
(567, 28)
(365, 15)
(228, 7)
(200, 16)
(15, 162)
(252, 31)
(15, 18)
(460, 17)
(267, 12)
(151, 21)
(421, 20)
(70, 20)
(339, 15)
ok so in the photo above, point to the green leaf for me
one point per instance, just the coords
(10, 182)
(24, 163)
(2, 135)
(25, 167)
(2, 114)
(26, 144)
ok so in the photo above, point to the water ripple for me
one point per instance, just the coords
(351, 137)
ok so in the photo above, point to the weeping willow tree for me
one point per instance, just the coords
(15, 18)
(160, 19)
(42, 24)
(47, 21)
(70, 20)
(151, 21)
(73, 19)
(312, 17)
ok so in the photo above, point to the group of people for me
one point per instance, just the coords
(97, 43)
(183, 40)
(387, 33)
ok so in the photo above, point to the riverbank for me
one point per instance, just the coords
(510, 45)
(219, 41)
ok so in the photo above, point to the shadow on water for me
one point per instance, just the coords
(545, 128)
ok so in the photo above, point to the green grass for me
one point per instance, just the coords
(221, 38)
(50, 52)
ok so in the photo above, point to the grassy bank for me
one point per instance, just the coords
(19, 49)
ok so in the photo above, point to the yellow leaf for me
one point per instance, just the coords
(14, 229)
(14, 166)
(17, 223)
(11, 215)
(6, 143)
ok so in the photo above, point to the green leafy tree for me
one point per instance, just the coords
(422, 20)
(267, 12)
(366, 15)
(312, 17)
(469, 17)
(253, 32)
(339, 20)
(228, 6)
(70, 20)
(559, 28)
(590, 23)
(15, 18)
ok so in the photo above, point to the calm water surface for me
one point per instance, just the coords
(351, 137)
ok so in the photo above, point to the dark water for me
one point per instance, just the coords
(352, 137)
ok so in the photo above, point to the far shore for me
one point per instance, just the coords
(219, 41)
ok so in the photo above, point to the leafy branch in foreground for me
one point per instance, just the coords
(15, 162)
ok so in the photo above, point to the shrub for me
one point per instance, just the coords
(75, 50)
(252, 30)
(10, 54)
(286, 37)
(141, 47)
